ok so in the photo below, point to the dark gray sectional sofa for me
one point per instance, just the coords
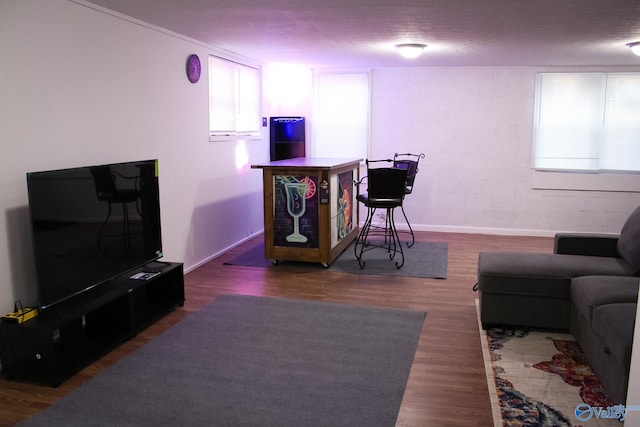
(588, 286)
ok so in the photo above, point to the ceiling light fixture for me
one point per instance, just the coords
(635, 47)
(410, 50)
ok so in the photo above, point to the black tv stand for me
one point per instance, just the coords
(66, 337)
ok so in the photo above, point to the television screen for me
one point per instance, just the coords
(91, 224)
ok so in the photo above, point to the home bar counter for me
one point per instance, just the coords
(310, 208)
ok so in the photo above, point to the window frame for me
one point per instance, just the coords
(577, 179)
(236, 115)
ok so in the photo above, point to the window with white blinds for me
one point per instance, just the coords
(234, 99)
(341, 119)
(587, 122)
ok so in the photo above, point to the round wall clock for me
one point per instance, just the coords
(193, 68)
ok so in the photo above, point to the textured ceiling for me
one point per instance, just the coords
(362, 33)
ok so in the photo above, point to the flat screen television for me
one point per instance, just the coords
(91, 224)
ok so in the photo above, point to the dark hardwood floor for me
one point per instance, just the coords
(447, 385)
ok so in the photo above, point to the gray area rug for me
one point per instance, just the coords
(256, 361)
(423, 259)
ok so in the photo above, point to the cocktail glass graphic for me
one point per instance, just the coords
(296, 206)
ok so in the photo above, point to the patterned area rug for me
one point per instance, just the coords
(542, 379)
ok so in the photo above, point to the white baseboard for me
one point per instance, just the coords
(220, 252)
(477, 230)
(483, 230)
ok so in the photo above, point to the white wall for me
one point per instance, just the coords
(81, 87)
(475, 126)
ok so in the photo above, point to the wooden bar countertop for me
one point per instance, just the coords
(309, 162)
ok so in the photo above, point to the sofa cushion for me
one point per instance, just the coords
(541, 274)
(629, 241)
(589, 244)
(614, 323)
(588, 292)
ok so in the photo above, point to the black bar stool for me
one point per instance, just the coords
(385, 190)
(409, 162)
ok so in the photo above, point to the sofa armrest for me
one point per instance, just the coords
(591, 244)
